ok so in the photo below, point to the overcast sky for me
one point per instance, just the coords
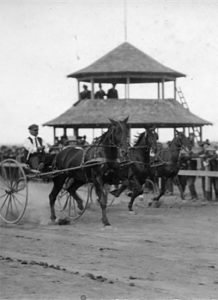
(42, 41)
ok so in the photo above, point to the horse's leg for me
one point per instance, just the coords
(134, 195)
(117, 192)
(169, 186)
(177, 182)
(58, 183)
(182, 182)
(72, 190)
(136, 191)
(162, 191)
(102, 195)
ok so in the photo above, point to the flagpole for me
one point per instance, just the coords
(125, 20)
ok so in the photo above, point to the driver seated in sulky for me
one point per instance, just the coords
(36, 149)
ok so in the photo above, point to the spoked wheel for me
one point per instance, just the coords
(150, 190)
(13, 191)
(67, 205)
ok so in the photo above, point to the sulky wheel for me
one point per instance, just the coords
(13, 191)
(67, 205)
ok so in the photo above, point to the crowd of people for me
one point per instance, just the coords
(200, 156)
(112, 93)
(64, 141)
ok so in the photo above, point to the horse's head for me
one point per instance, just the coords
(147, 141)
(120, 135)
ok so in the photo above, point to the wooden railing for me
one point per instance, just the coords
(207, 173)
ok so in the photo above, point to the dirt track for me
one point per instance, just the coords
(169, 252)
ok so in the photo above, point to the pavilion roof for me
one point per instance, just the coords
(142, 113)
(126, 61)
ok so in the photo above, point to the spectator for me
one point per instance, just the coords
(100, 94)
(112, 93)
(79, 141)
(84, 141)
(64, 141)
(85, 94)
(192, 165)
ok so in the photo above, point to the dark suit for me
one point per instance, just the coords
(112, 93)
(100, 94)
(85, 95)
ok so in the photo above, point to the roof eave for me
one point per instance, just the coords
(121, 77)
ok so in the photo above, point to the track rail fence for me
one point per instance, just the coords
(206, 173)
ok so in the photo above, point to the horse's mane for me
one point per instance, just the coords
(138, 138)
(101, 138)
(98, 140)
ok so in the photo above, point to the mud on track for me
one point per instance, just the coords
(169, 252)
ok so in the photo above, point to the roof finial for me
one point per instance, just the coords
(125, 20)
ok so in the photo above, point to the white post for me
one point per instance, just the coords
(92, 91)
(158, 90)
(175, 89)
(162, 89)
(54, 133)
(127, 88)
(78, 89)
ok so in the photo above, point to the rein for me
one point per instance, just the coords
(146, 147)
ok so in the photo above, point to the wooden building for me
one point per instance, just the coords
(126, 65)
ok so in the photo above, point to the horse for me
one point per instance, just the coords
(167, 160)
(133, 176)
(94, 164)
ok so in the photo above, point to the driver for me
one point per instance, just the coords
(35, 149)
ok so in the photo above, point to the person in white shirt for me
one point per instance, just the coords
(35, 149)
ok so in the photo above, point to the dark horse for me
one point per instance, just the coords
(168, 161)
(133, 176)
(94, 164)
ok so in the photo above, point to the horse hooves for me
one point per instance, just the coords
(64, 221)
(52, 222)
(107, 224)
(157, 204)
(132, 212)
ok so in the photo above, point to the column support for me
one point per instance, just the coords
(175, 89)
(78, 89)
(163, 89)
(92, 90)
(158, 90)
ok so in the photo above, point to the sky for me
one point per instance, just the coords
(42, 41)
